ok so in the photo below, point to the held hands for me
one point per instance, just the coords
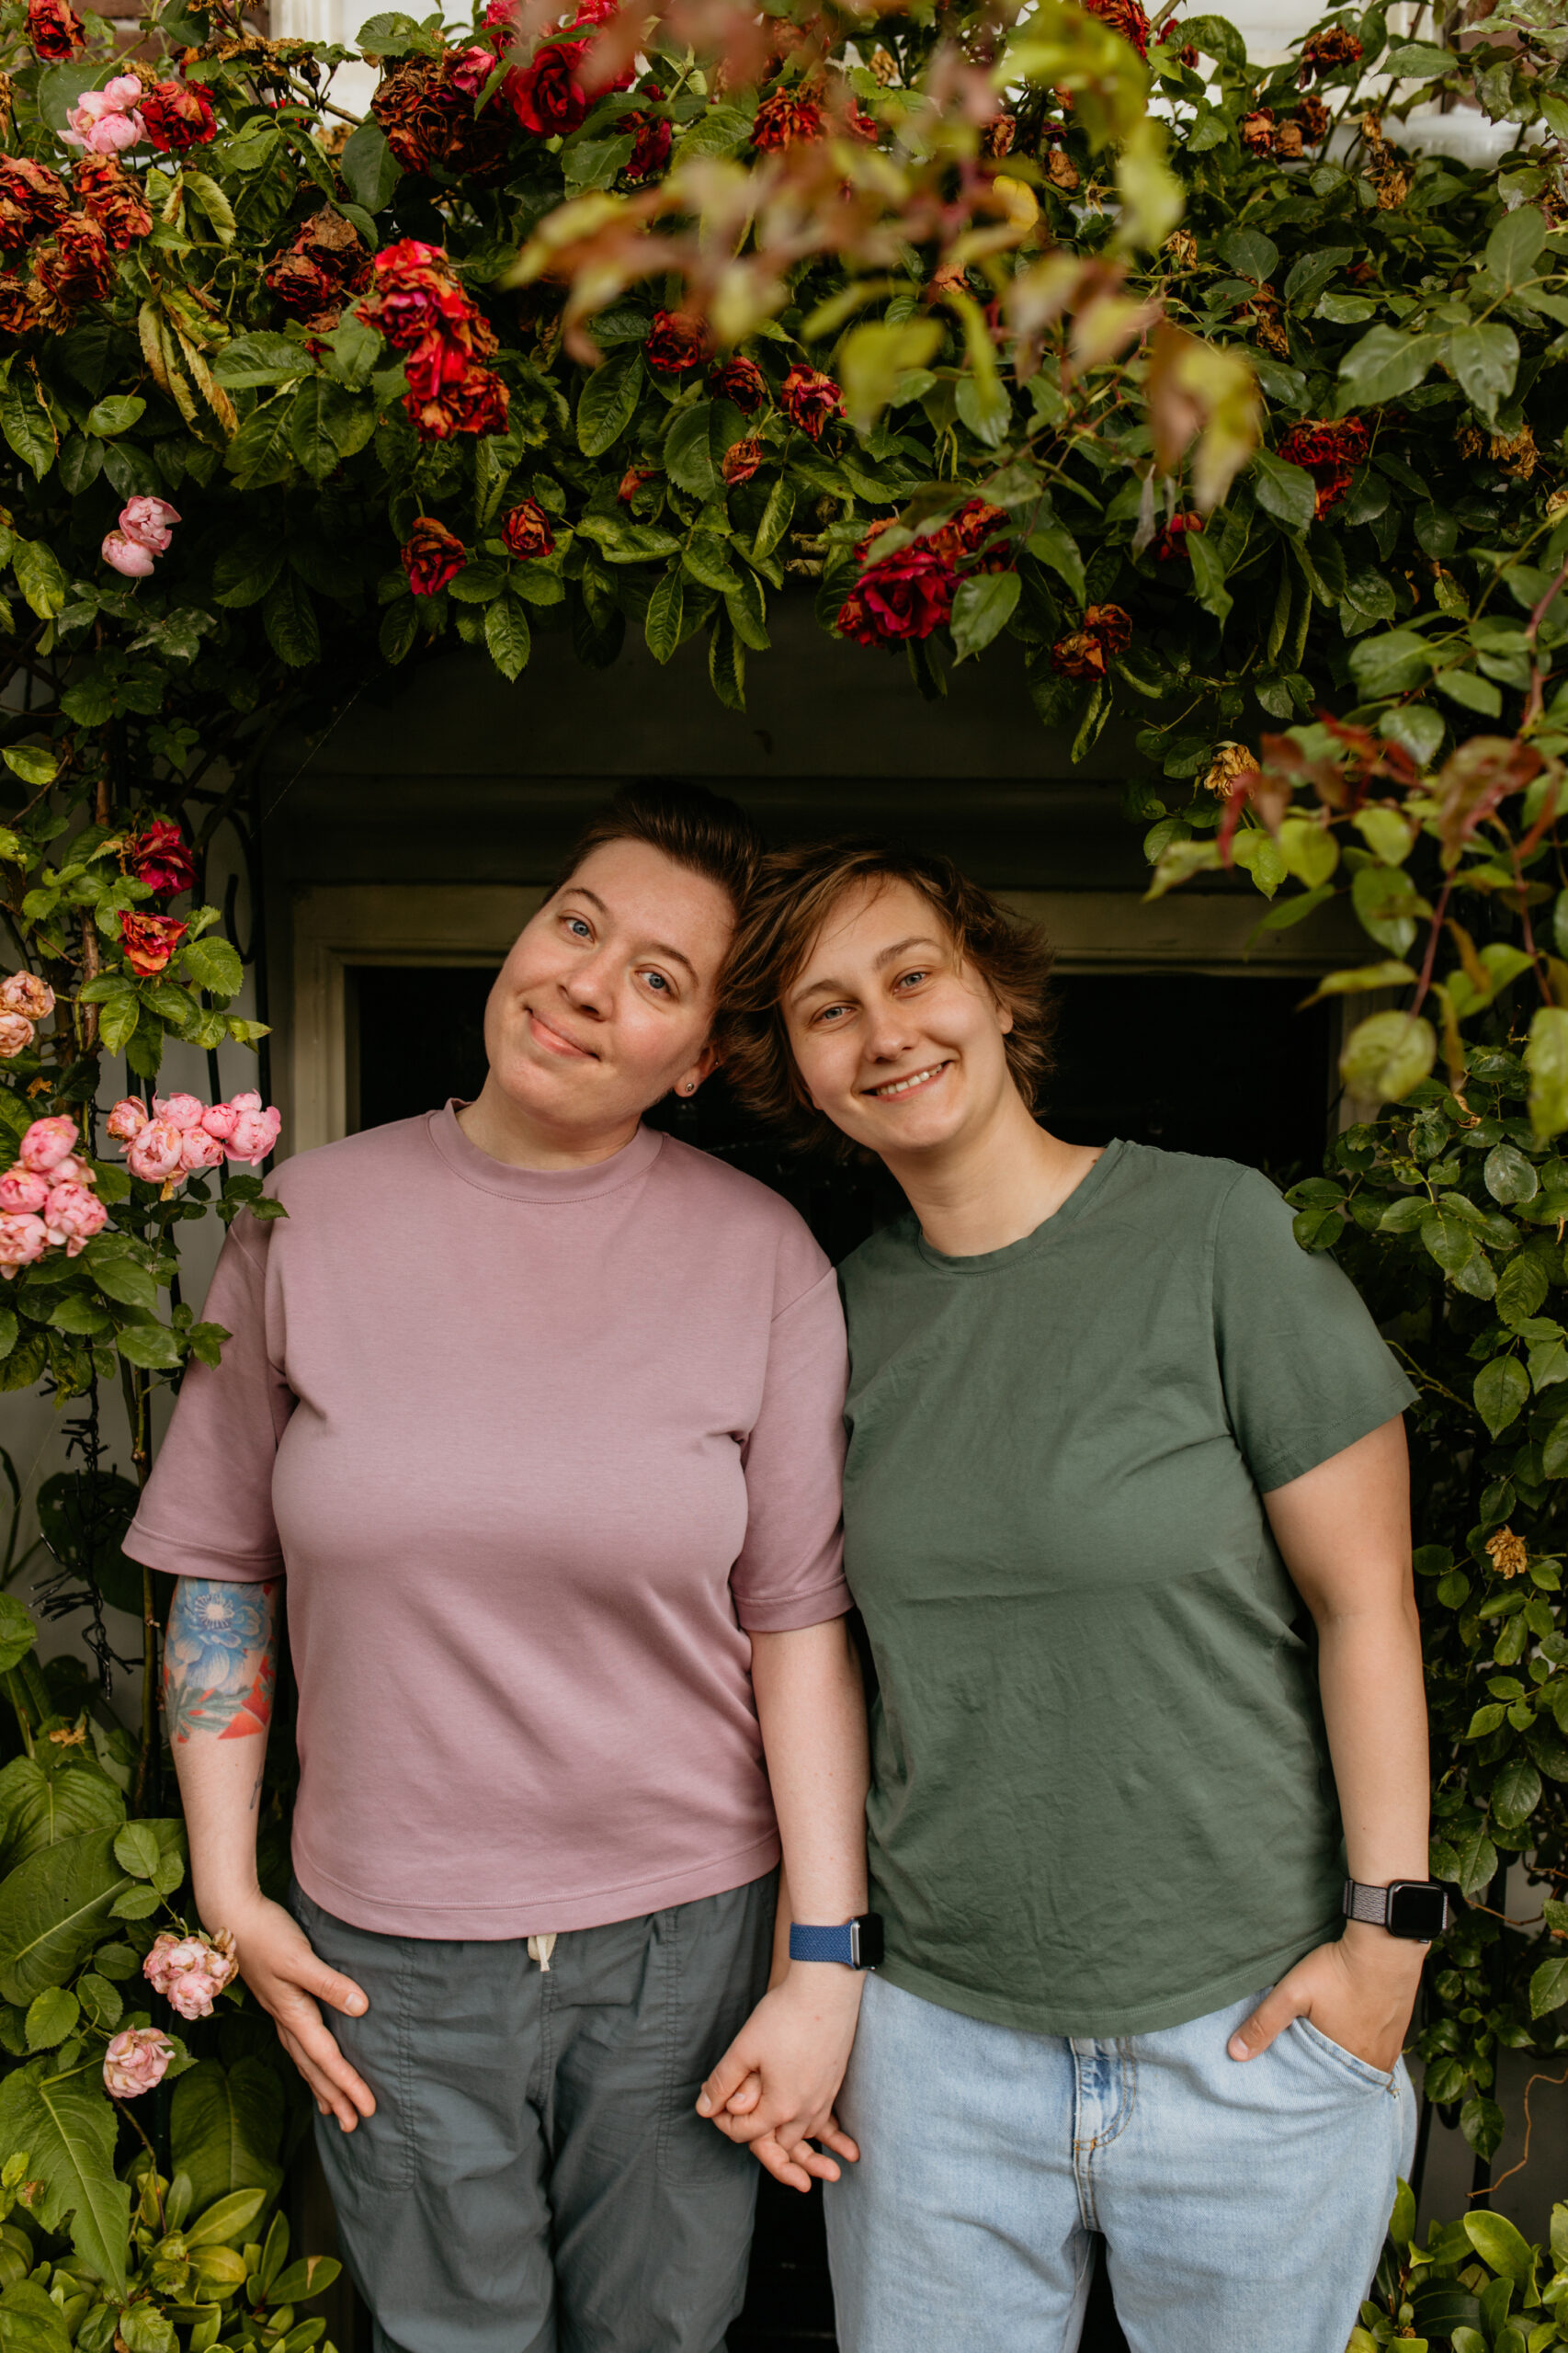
(288, 1980)
(774, 2089)
(1358, 1990)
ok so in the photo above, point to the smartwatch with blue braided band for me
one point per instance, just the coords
(857, 1944)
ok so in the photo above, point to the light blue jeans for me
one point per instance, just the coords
(1243, 2204)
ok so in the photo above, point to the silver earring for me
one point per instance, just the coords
(690, 1088)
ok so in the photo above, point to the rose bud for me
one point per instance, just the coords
(17, 1035)
(218, 1120)
(21, 1191)
(199, 1150)
(49, 1142)
(179, 1110)
(72, 1215)
(126, 556)
(22, 1240)
(127, 1119)
(255, 1134)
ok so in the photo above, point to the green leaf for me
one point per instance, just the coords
(775, 519)
(706, 559)
(507, 636)
(289, 617)
(53, 1908)
(260, 455)
(1485, 360)
(1548, 1987)
(136, 1849)
(1515, 245)
(326, 423)
(1419, 60)
(874, 355)
(608, 401)
(661, 626)
(251, 360)
(17, 1632)
(1515, 1793)
(1471, 693)
(40, 577)
(727, 665)
(30, 2322)
(1521, 1288)
(228, 2218)
(152, 1346)
(51, 2016)
(25, 421)
(696, 442)
(982, 608)
(1053, 544)
(1390, 663)
(1384, 365)
(1497, 2241)
(214, 966)
(718, 131)
(1387, 1054)
(312, 2276)
(226, 2129)
(67, 2127)
(123, 1280)
(1208, 576)
(118, 413)
(1546, 1058)
(370, 171)
(1284, 491)
(60, 89)
(399, 626)
(1501, 1391)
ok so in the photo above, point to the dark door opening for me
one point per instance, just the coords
(1183, 1060)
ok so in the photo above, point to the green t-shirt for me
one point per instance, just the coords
(1101, 1796)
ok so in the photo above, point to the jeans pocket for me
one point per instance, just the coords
(1346, 2062)
(383, 2149)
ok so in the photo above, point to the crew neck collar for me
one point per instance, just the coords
(1049, 1229)
(546, 1186)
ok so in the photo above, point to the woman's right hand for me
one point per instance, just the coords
(291, 1983)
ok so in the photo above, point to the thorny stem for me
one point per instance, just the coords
(1425, 983)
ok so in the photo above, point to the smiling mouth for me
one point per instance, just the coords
(894, 1087)
(554, 1041)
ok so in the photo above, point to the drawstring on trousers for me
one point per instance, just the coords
(540, 1949)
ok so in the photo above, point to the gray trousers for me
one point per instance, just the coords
(536, 2178)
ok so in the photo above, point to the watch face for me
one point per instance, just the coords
(870, 1939)
(1416, 1909)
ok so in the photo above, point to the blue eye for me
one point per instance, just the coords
(657, 981)
(578, 927)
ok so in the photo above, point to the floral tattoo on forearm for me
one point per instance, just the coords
(221, 1659)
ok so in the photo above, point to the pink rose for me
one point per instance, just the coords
(245, 1102)
(199, 1150)
(127, 1119)
(15, 1035)
(135, 2060)
(146, 521)
(191, 1972)
(47, 1142)
(219, 1121)
(127, 557)
(154, 1155)
(20, 1192)
(25, 993)
(179, 1110)
(72, 1215)
(255, 1134)
(106, 120)
(72, 1171)
(22, 1240)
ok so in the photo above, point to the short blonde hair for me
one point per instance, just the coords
(794, 894)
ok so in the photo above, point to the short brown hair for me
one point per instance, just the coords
(693, 827)
(794, 894)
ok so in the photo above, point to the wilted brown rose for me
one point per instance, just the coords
(906, 596)
(178, 116)
(1509, 1554)
(1361, 273)
(1288, 144)
(32, 198)
(1125, 16)
(809, 399)
(652, 150)
(109, 196)
(1182, 248)
(55, 31)
(1081, 655)
(431, 556)
(962, 539)
(477, 403)
(1264, 311)
(1322, 51)
(18, 307)
(1186, 55)
(787, 119)
(1393, 186)
(304, 286)
(1515, 453)
(414, 109)
(631, 481)
(677, 343)
(885, 65)
(1257, 131)
(742, 459)
(1557, 503)
(742, 381)
(320, 269)
(1061, 171)
(1110, 625)
(526, 532)
(1226, 770)
(1330, 450)
(996, 136)
(79, 267)
(1315, 119)
(1172, 542)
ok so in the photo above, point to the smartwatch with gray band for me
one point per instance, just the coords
(1416, 1908)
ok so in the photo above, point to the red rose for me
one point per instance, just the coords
(743, 382)
(415, 295)
(304, 286)
(433, 556)
(547, 97)
(787, 118)
(476, 402)
(863, 547)
(468, 70)
(527, 531)
(809, 399)
(32, 197)
(677, 343)
(178, 116)
(1320, 52)
(1330, 450)
(499, 22)
(149, 941)
(907, 595)
(962, 540)
(651, 152)
(1172, 542)
(158, 856)
(1079, 656)
(1111, 626)
(742, 459)
(1126, 18)
(113, 200)
(55, 29)
(79, 267)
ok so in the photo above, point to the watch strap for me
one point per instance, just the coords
(1363, 1903)
(823, 1944)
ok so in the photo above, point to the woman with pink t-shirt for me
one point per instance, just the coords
(535, 1415)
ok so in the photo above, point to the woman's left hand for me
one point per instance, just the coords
(1360, 1990)
(774, 2089)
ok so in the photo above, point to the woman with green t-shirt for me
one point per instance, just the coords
(1126, 1513)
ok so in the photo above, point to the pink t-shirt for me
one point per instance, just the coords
(537, 1451)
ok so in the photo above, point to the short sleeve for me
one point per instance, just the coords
(1304, 1369)
(789, 1572)
(207, 1509)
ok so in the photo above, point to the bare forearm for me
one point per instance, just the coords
(812, 1709)
(1374, 1708)
(220, 1670)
